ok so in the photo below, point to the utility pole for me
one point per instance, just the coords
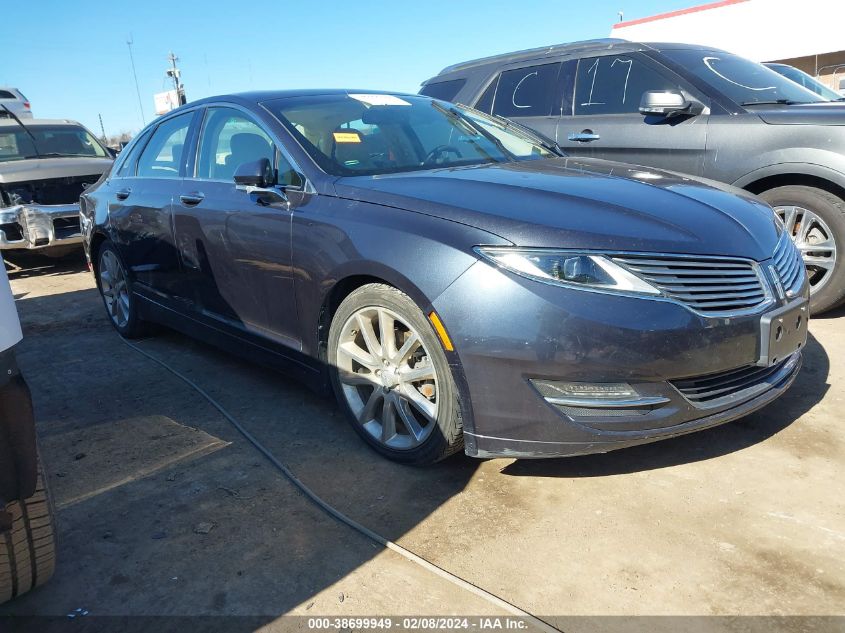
(174, 73)
(129, 43)
(102, 128)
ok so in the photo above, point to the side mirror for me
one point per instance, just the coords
(666, 103)
(258, 173)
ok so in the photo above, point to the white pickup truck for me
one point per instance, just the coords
(44, 167)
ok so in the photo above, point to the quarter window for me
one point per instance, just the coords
(163, 157)
(443, 90)
(614, 84)
(229, 140)
(526, 91)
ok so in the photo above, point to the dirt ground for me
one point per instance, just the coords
(747, 519)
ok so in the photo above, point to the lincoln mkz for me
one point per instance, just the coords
(456, 280)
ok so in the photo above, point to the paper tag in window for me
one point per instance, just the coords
(346, 137)
(380, 100)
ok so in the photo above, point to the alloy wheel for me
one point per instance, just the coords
(114, 288)
(387, 378)
(814, 239)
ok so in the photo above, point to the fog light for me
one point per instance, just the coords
(600, 395)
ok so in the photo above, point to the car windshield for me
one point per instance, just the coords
(741, 80)
(803, 79)
(370, 134)
(50, 141)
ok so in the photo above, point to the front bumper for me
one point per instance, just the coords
(33, 226)
(508, 331)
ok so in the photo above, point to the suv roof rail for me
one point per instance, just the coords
(555, 48)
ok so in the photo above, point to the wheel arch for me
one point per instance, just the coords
(808, 175)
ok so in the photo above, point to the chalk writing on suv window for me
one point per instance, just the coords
(708, 61)
(515, 90)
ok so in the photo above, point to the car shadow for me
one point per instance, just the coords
(25, 264)
(809, 388)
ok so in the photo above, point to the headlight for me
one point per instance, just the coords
(568, 269)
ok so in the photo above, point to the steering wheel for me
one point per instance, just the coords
(434, 155)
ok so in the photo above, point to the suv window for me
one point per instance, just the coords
(614, 84)
(230, 139)
(526, 91)
(163, 155)
(444, 90)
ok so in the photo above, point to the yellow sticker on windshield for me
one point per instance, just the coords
(346, 137)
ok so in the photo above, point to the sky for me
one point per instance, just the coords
(71, 59)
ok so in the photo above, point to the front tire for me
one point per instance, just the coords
(815, 219)
(116, 291)
(391, 377)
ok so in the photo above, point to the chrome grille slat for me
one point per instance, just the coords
(710, 388)
(788, 263)
(709, 285)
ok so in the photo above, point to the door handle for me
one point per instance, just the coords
(584, 136)
(123, 194)
(192, 199)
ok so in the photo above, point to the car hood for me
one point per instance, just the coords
(43, 168)
(583, 203)
(825, 113)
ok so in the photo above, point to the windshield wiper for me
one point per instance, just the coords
(473, 125)
(25, 129)
(59, 155)
(548, 144)
(771, 102)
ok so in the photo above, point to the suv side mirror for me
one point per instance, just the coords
(258, 173)
(666, 103)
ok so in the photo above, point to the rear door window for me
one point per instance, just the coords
(444, 90)
(614, 84)
(527, 91)
(5, 94)
(163, 157)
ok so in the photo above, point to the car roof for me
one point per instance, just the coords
(10, 122)
(260, 96)
(585, 46)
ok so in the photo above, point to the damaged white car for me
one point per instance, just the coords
(44, 167)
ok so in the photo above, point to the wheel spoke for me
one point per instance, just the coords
(407, 349)
(790, 215)
(357, 379)
(424, 372)
(386, 326)
(371, 407)
(360, 356)
(388, 420)
(420, 402)
(409, 421)
(819, 262)
(369, 335)
(827, 246)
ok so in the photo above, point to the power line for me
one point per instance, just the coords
(129, 43)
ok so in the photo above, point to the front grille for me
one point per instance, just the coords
(712, 286)
(736, 385)
(66, 227)
(789, 265)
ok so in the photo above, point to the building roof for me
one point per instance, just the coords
(763, 30)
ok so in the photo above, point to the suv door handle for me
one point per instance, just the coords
(192, 199)
(585, 136)
(123, 194)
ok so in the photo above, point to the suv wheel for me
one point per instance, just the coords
(28, 548)
(816, 221)
(391, 376)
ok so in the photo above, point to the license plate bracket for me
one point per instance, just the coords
(783, 332)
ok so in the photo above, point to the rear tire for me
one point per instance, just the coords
(28, 549)
(824, 265)
(395, 386)
(116, 290)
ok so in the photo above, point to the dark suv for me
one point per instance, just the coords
(687, 109)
